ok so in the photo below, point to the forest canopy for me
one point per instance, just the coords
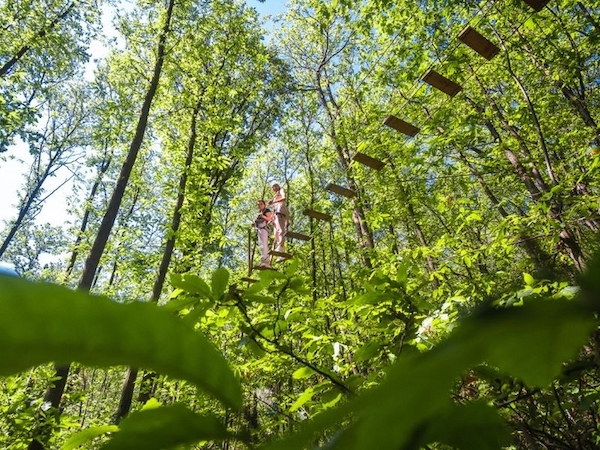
(438, 286)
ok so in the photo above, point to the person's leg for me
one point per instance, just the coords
(280, 222)
(263, 244)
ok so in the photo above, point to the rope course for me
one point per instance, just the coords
(395, 122)
(469, 37)
(476, 42)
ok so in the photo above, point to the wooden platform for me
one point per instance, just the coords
(537, 5)
(299, 236)
(340, 190)
(263, 268)
(442, 83)
(401, 126)
(368, 161)
(280, 254)
(316, 214)
(476, 41)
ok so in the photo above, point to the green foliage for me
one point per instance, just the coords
(411, 407)
(493, 202)
(529, 342)
(155, 428)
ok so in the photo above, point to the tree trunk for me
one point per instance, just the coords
(23, 211)
(126, 395)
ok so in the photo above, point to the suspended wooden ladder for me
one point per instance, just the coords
(536, 5)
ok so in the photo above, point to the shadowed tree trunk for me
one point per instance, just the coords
(129, 385)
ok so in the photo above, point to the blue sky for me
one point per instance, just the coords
(268, 7)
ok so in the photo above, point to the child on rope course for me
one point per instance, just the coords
(261, 224)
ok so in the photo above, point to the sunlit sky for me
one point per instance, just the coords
(12, 170)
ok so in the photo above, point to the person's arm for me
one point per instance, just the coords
(268, 216)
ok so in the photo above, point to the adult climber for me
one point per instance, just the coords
(281, 218)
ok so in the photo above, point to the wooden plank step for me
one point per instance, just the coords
(280, 254)
(368, 161)
(340, 190)
(442, 83)
(401, 126)
(249, 280)
(316, 214)
(263, 268)
(478, 42)
(537, 5)
(299, 236)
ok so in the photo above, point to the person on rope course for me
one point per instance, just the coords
(264, 218)
(281, 219)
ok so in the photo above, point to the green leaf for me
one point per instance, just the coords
(255, 349)
(330, 398)
(292, 267)
(152, 403)
(269, 275)
(219, 282)
(530, 24)
(530, 342)
(529, 280)
(367, 351)
(78, 439)
(41, 323)
(255, 298)
(166, 427)
(182, 302)
(303, 372)
(191, 283)
(304, 397)
(256, 287)
(199, 311)
(372, 298)
(402, 274)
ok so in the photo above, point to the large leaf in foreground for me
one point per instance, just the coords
(40, 323)
(166, 427)
(85, 436)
